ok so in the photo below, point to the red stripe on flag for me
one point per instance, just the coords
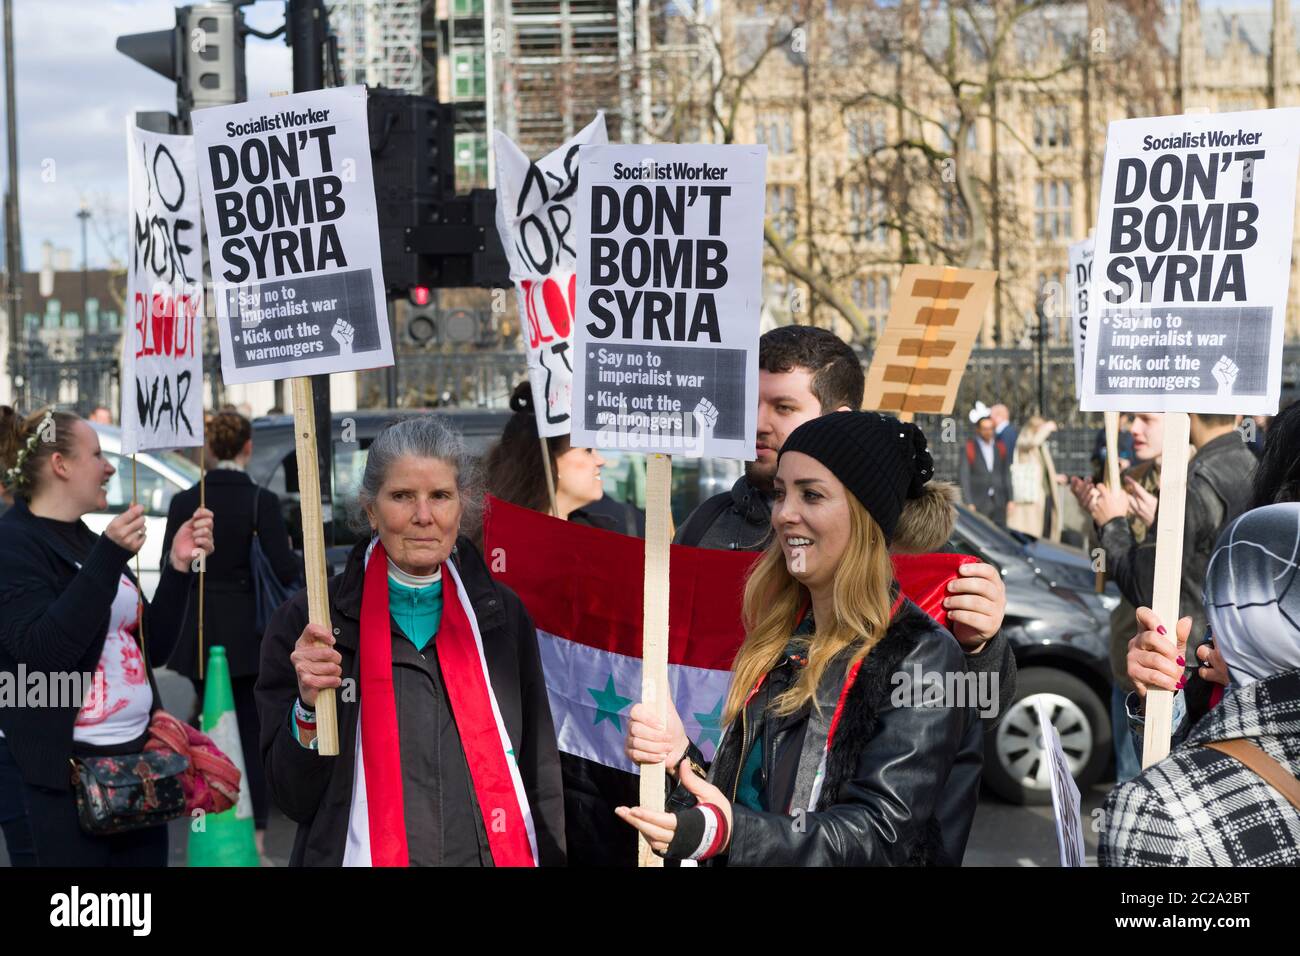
(587, 585)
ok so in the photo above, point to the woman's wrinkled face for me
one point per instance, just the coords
(810, 516)
(82, 475)
(417, 513)
(578, 475)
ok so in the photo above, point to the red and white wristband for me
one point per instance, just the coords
(701, 833)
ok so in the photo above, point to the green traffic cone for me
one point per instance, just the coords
(223, 839)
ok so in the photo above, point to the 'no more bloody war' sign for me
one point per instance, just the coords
(289, 201)
(162, 364)
(668, 295)
(1192, 263)
(535, 203)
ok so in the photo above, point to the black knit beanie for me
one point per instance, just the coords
(883, 461)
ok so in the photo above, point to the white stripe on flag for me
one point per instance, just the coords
(591, 692)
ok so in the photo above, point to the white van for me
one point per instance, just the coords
(158, 476)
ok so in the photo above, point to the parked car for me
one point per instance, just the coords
(1059, 629)
(158, 476)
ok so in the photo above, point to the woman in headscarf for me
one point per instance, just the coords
(447, 753)
(1202, 805)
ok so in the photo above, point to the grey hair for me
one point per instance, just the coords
(423, 436)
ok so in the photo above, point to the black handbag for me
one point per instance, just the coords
(116, 794)
(268, 592)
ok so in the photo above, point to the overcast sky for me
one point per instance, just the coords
(74, 90)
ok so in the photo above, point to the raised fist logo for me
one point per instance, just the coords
(343, 334)
(1225, 373)
(706, 419)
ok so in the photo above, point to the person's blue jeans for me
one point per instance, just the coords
(13, 812)
(1127, 765)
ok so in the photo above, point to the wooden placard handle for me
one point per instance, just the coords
(550, 477)
(1112, 470)
(313, 547)
(1112, 450)
(1168, 575)
(654, 637)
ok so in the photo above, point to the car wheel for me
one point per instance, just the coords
(1015, 764)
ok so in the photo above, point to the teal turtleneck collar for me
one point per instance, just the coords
(415, 602)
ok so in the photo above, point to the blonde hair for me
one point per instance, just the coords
(774, 597)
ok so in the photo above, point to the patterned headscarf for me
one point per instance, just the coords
(1252, 593)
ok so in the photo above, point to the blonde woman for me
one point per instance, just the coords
(831, 756)
(1034, 489)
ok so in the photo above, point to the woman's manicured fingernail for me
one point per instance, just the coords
(1181, 682)
(1160, 629)
(1182, 662)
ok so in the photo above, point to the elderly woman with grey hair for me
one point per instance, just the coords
(447, 753)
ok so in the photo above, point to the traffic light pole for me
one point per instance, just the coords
(305, 23)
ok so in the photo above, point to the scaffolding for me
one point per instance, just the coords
(563, 63)
(380, 42)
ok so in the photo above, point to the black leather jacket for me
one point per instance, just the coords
(901, 780)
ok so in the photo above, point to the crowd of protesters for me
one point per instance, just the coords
(450, 729)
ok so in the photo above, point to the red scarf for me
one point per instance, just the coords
(471, 707)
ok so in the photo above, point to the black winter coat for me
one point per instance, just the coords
(54, 619)
(315, 791)
(902, 781)
(228, 606)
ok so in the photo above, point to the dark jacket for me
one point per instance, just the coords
(54, 619)
(902, 781)
(735, 520)
(1199, 807)
(989, 491)
(1218, 490)
(741, 520)
(316, 791)
(228, 606)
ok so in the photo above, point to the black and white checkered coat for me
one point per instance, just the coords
(1198, 807)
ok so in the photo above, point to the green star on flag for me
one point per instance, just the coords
(609, 703)
(711, 724)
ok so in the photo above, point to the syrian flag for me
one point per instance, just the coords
(584, 589)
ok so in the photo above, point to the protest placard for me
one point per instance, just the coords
(162, 353)
(666, 314)
(1067, 806)
(668, 294)
(289, 202)
(1078, 285)
(934, 319)
(1189, 286)
(293, 239)
(535, 211)
(1193, 263)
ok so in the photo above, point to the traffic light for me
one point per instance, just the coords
(430, 236)
(414, 167)
(214, 55)
(203, 54)
(461, 245)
